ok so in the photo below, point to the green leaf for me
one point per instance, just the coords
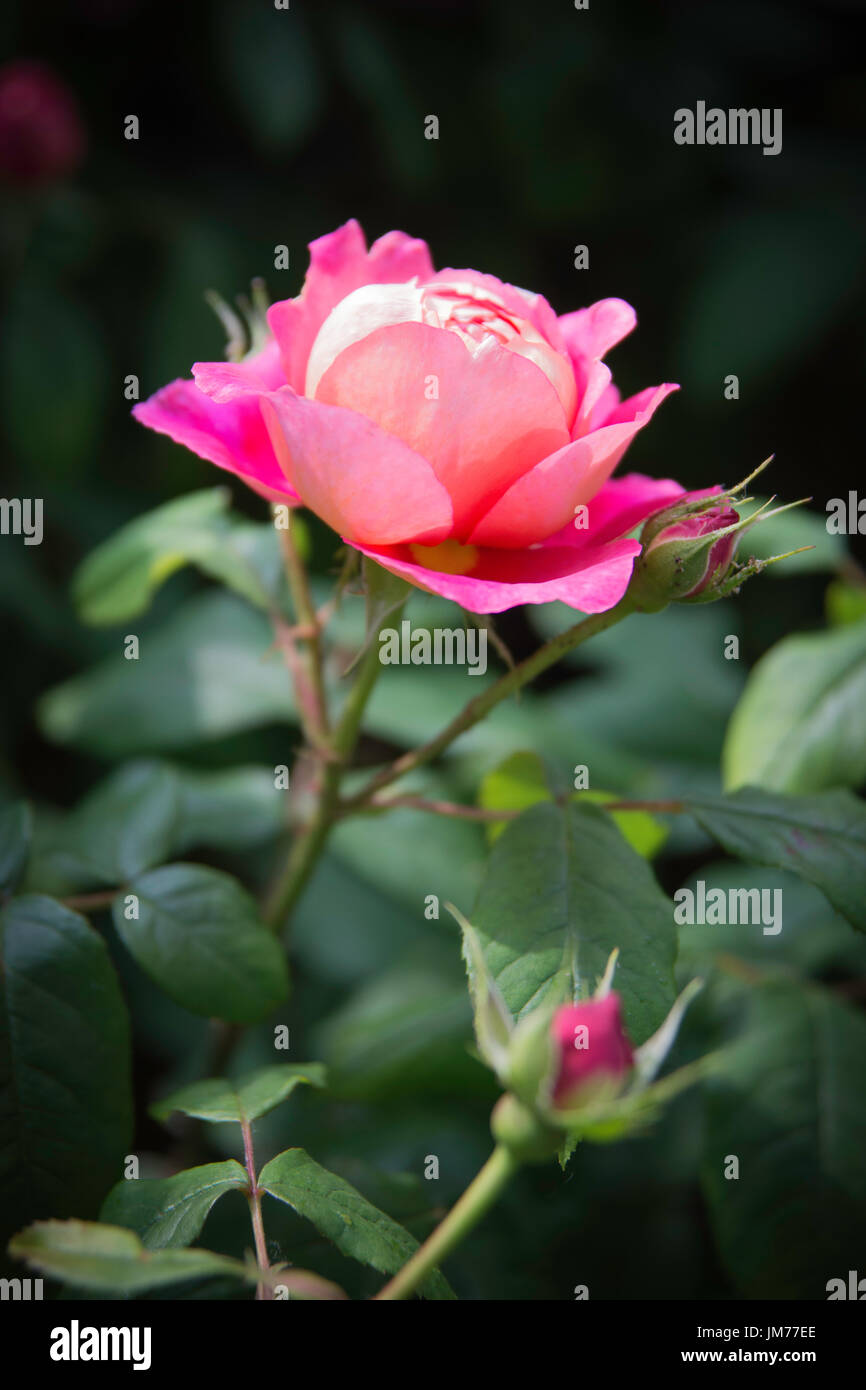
(219, 1100)
(517, 783)
(562, 890)
(822, 838)
(493, 1022)
(232, 809)
(408, 855)
(346, 931)
(146, 812)
(170, 1212)
(111, 1259)
(801, 723)
(16, 830)
(790, 1105)
(119, 578)
(814, 939)
(199, 936)
(644, 832)
(342, 1215)
(65, 1105)
(128, 824)
(845, 603)
(522, 781)
(209, 671)
(403, 1032)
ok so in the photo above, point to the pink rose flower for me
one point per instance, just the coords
(591, 1043)
(444, 423)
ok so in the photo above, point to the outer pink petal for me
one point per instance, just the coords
(591, 333)
(496, 413)
(604, 407)
(592, 579)
(371, 488)
(340, 263)
(620, 506)
(543, 500)
(230, 433)
(226, 380)
(628, 411)
(595, 387)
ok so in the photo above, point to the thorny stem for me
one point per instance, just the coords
(310, 842)
(263, 1291)
(304, 852)
(483, 703)
(316, 711)
(486, 813)
(87, 902)
(479, 1196)
(420, 803)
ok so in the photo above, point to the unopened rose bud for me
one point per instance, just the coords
(592, 1048)
(688, 552)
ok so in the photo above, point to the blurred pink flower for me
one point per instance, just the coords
(445, 423)
(41, 133)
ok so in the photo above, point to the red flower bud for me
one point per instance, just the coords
(688, 551)
(715, 559)
(591, 1045)
(41, 134)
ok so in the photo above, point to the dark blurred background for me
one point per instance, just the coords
(260, 126)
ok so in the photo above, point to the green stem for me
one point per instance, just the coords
(479, 1196)
(484, 702)
(305, 850)
(263, 1291)
(310, 842)
(305, 613)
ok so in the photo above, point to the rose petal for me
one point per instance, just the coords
(595, 386)
(340, 263)
(590, 334)
(592, 580)
(356, 317)
(225, 380)
(524, 303)
(494, 416)
(541, 502)
(604, 407)
(226, 429)
(370, 487)
(620, 506)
